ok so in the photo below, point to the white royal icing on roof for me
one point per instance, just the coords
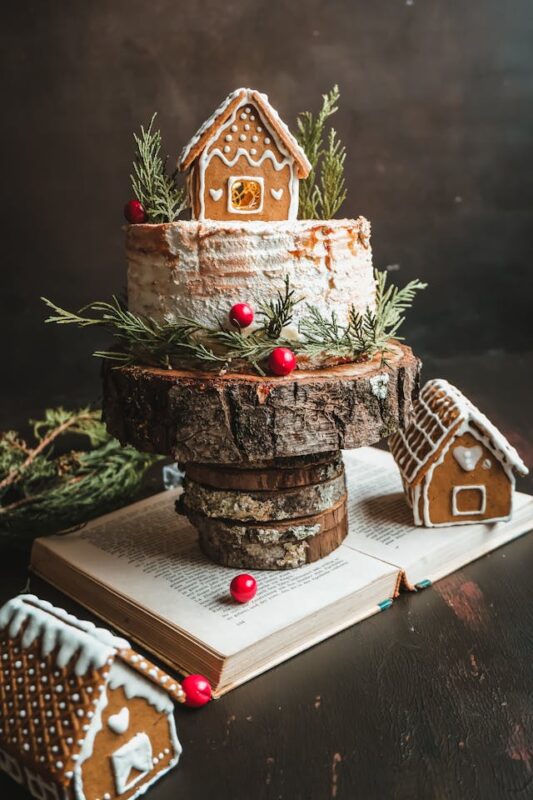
(431, 426)
(61, 632)
(247, 96)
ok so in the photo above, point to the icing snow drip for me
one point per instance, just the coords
(60, 632)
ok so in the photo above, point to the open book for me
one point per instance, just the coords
(141, 569)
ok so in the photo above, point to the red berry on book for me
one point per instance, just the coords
(281, 361)
(134, 212)
(241, 315)
(197, 691)
(243, 588)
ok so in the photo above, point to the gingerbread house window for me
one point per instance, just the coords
(245, 194)
(469, 500)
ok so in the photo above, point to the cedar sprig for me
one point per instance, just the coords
(140, 339)
(366, 333)
(277, 314)
(323, 191)
(183, 341)
(43, 490)
(162, 198)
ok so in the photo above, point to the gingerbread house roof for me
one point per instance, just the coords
(211, 127)
(440, 413)
(54, 669)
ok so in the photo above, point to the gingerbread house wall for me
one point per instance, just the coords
(244, 147)
(146, 723)
(442, 499)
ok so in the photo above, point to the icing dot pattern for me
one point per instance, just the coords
(241, 134)
(47, 714)
(44, 735)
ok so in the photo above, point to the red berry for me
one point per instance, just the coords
(281, 361)
(241, 315)
(243, 588)
(197, 691)
(134, 212)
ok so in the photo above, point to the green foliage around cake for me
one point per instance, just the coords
(323, 192)
(162, 199)
(44, 488)
(183, 342)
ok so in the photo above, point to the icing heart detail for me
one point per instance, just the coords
(276, 193)
(467, 457)
(119, 722)
(216, 194)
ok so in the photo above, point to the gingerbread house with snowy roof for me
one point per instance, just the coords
(456, 466)
(244, 163)
(83, 716)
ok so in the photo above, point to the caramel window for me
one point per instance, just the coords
(245, 195)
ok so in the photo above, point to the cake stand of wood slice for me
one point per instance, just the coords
(265, 485)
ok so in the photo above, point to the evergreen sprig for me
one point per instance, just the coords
(162, 198)
(42, 491)
(185, 342)
(366, 333)
(323, 192)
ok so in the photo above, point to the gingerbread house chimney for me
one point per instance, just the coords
(243, 163)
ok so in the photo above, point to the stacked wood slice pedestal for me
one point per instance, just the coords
(265, 485)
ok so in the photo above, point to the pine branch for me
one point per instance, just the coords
(162, 199)
(50, 492)
(332, 183)
(365, 334)
(278, 313)
(323, 191)
(183, 341)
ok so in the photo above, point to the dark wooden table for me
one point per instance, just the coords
(430, 699)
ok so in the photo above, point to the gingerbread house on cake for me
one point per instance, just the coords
(243, 163)
(83, 716)
(456, 467)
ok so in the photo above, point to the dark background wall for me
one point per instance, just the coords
(436, 112)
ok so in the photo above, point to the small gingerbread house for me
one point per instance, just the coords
(456, 467)
(243, 163)
(83, 716)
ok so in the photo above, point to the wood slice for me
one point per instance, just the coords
(261, 506)
(277, 477)
(232, 419)
(274, 545)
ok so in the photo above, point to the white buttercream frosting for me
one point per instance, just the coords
(200, 269)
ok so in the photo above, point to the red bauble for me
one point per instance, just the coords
(241, 315)
(281, 361)
(134, 212)
(197, 691)
(243, 588)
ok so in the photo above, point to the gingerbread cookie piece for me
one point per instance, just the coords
(243, 163)
(456, 467)
(83, 716)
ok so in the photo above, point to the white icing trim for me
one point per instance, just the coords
(405, 445)
(458, 489)
(423, 489)
(87, 747)
(277, 194)
(467, 457)
(60, 632)
(216, 194)
(258, 179)
(39, 788)
(247, 99)
(135, 754)
(136, 685)
(207, 155)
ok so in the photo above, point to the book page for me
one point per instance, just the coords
(381, 522)
(147, 551)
